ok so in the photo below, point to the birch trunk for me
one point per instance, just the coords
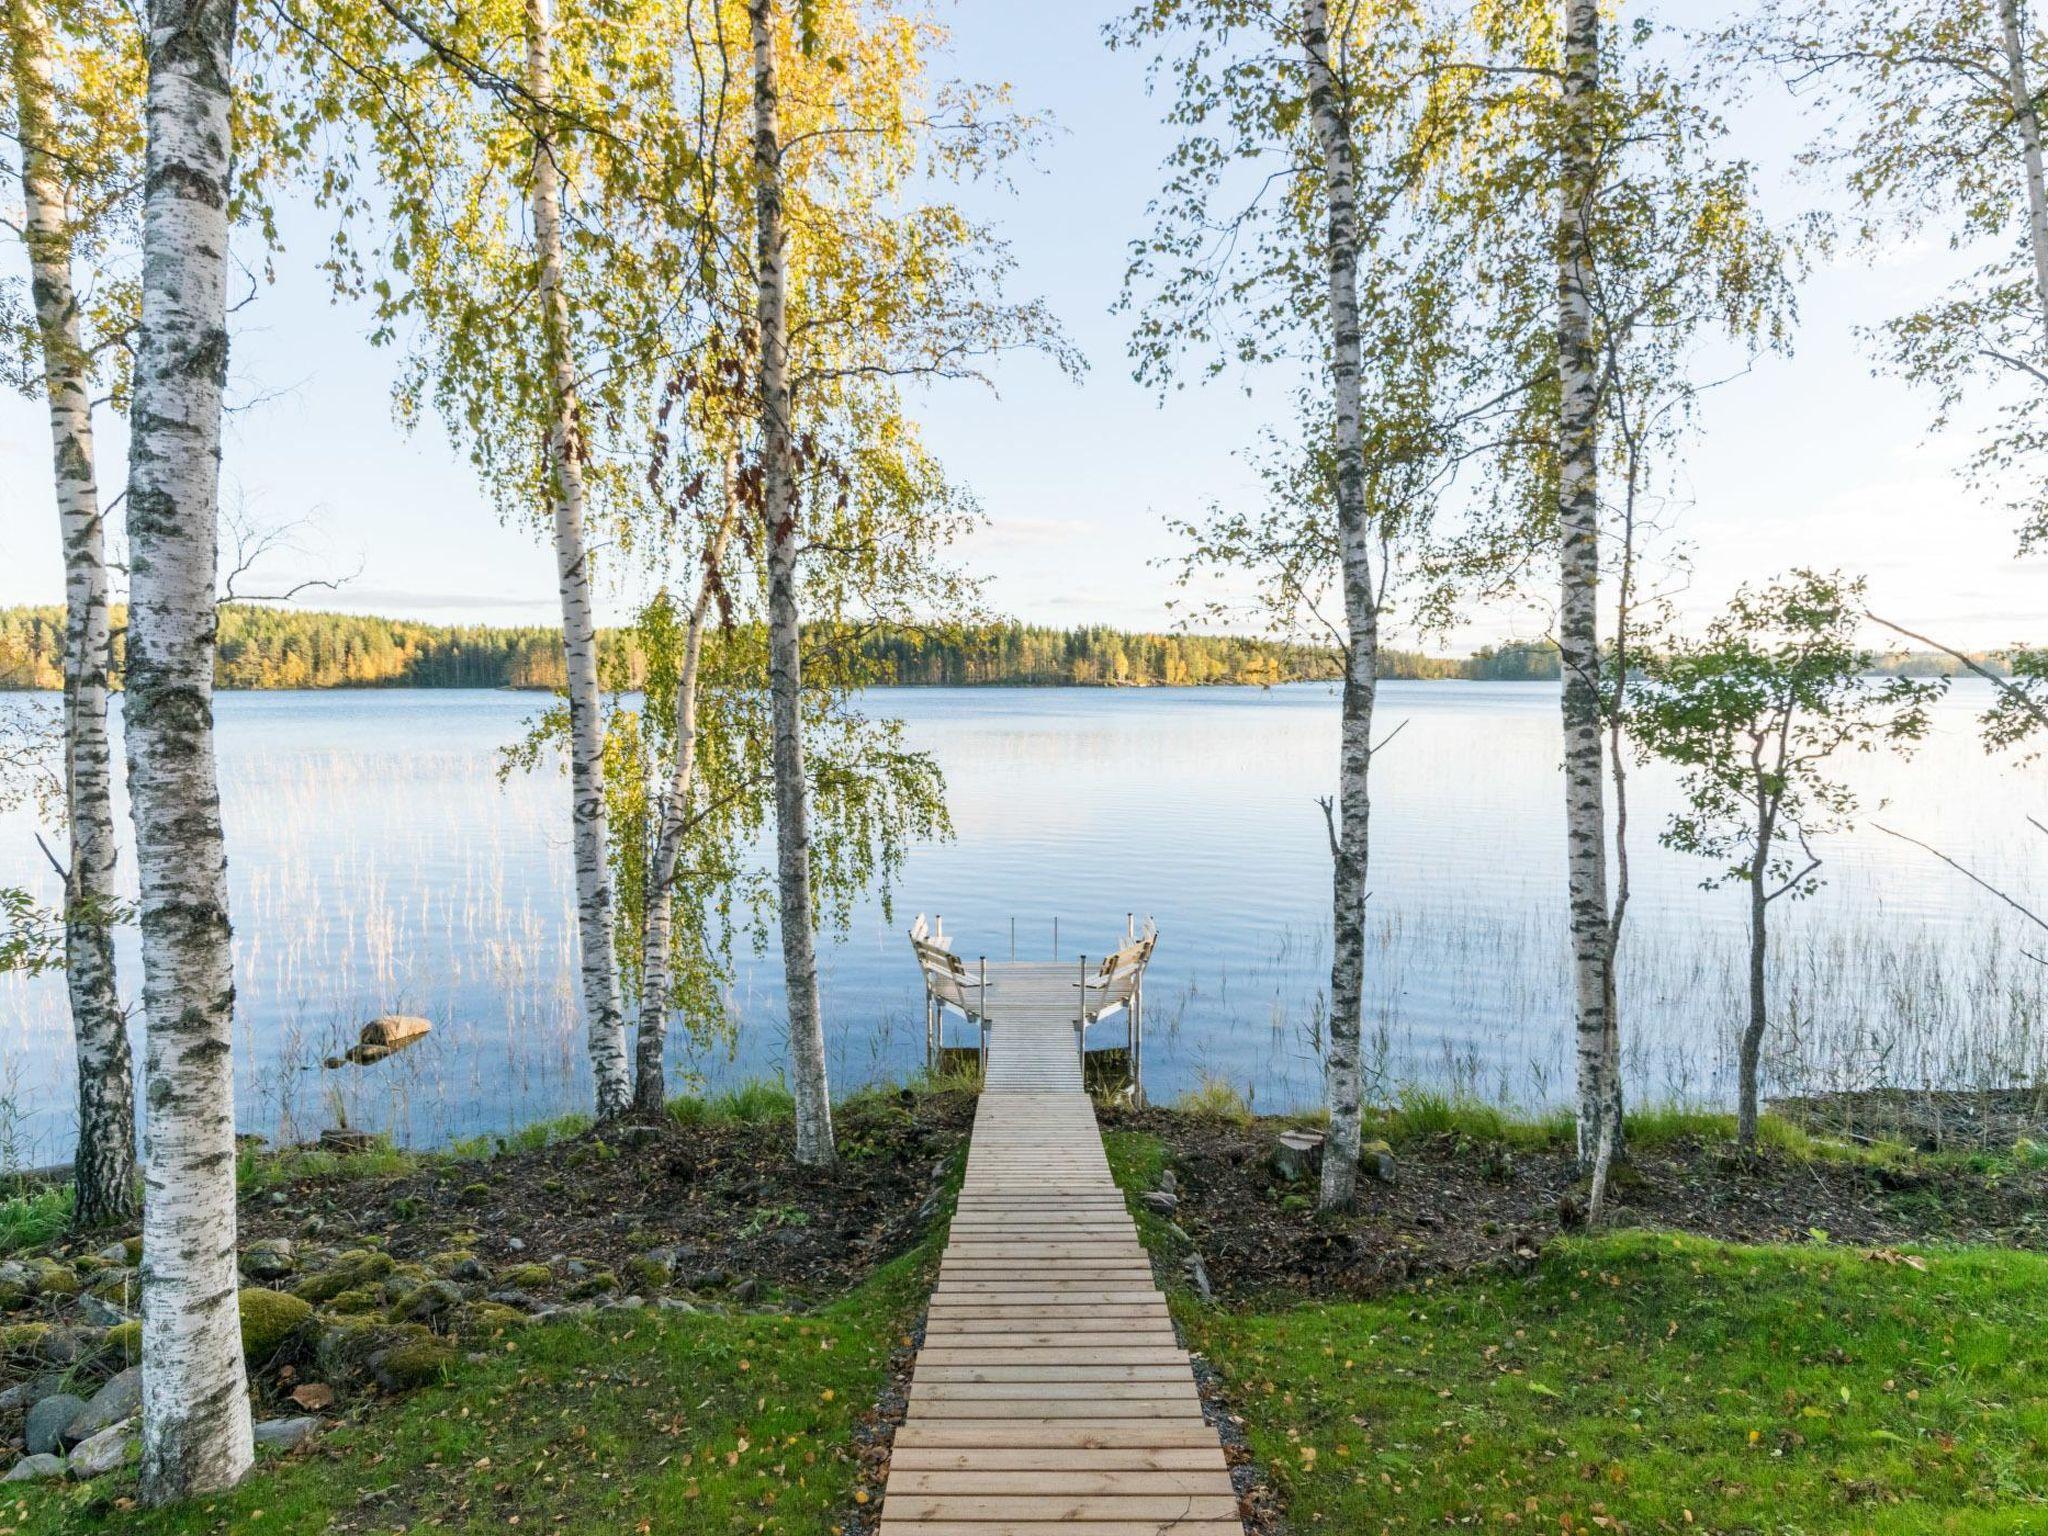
(1750, 1049)
(195, 1401)
(2028, 120)
(1578, 520)
(650, 1086)
(104, 1167)
(808, 1082)
(1348, 835)
(598, 958)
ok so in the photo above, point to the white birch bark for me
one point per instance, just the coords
(195, 1401)
(2028, 119)
(1578, 519)
(650, 1087)
(808, 1083)
(1348, 834)
(598, 958)
(104, 1166)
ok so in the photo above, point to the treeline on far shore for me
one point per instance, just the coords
(290, 648)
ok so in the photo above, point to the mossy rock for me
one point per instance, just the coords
(350, 1271)
(269, 1318)
(356, 1302)
(453, 1258)
(23, 1343)
(475, 1194)
(596, 1283)
(54, 1279)
(647, 1274)
(124, 1342)
(527, 1277)
(427, 1303)
(134, 1247)
(484, 1319)
(118, 1284)
(406, 1366)
(347, 1344)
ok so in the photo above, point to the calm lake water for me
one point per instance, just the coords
(377, 865)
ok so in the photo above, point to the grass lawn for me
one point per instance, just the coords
(1644, 1382)
(620, 1424)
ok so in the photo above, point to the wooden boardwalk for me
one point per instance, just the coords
(1050, 1398)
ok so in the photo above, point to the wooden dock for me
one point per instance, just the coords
(1050, 1398)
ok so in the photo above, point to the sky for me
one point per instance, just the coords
(1812, 459)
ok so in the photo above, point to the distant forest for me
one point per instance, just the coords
(290, 648)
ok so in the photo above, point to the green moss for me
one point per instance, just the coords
(407, 1367)
(269, 1318)
(485, 1319)
(124, 1341)
(362, 1299)
(347, 1345)
(54, 1279)
(444, 1263)
(22, 1343)
(350, 1271)
(646, 1274)
(527, 1277)
(595, 1283)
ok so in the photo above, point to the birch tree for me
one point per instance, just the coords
(808, 1082)
(597, 959)
(1612, 235)
(196, 1435)
(1752, 713)
(79, 140)
(1292, 230)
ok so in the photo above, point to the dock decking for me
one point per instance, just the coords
(1050, 1398)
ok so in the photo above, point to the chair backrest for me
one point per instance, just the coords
(1117, 978)
(945, 974)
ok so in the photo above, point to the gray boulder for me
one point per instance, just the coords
(119, 1399)
(48, 1420)
(1159, 1202)
(286, 1433)
(270, 1259)
(26, 1394)
(98, 1312)
(31, 1469)
(105, 1451)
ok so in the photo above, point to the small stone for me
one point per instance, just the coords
(119, 1399)
(114, 1253)
(747, 1292)
(518, 1299)
(1159, 1202)
(1169, 1183)
(1198, 1276)
(104, 1451)
(286, 1433)
(425, 1302)
(48, 1420)
(31, 1469)
(1376, 1158)
(98, 1312)
(676, 1304)
(271, 1259)
(710, 1280)
(515, 1244)
(624, 1304)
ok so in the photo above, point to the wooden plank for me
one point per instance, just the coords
(1055, 1458)
(1068, 1508)
(1213, 1482)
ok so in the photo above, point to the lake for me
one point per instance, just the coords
(377, 864)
